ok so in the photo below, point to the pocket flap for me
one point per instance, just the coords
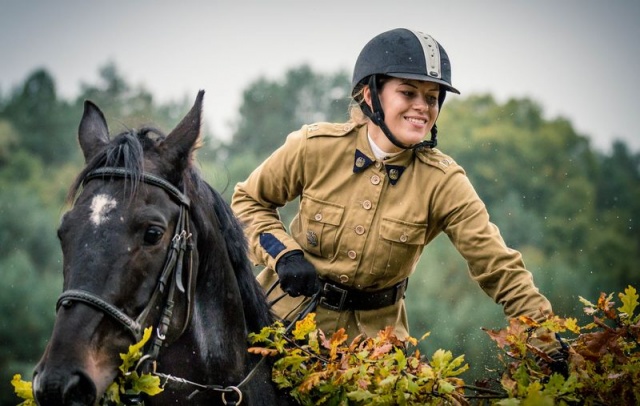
(403, 232)
(321, 212)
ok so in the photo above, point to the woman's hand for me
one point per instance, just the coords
(297, 275)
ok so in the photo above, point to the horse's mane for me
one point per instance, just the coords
(257, 313)
(126, 150)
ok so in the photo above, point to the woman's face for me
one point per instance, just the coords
(410, 111)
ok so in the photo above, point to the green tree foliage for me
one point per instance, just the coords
(40, 119)
(27, 299)
(272, 109)
(126, 106)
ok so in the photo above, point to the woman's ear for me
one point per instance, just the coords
(366, 96)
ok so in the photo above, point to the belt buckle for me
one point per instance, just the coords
(330, 288)
(398, 290)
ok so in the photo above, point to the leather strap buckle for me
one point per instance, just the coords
(333, 297)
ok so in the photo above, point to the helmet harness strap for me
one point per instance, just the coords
(377, 116)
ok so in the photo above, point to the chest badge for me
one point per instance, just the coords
(312, 239)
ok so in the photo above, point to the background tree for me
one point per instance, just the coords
(272, 109)
(39, 117)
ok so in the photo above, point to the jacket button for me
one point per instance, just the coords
(352, 254)
(359, 230)
(318, 217)
(344, 278)
(404, 238)
(375, 179)
(366, 204)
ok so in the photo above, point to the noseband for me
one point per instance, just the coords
(172, 273)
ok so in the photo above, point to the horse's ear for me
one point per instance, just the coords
(183, 139)
(93, 133)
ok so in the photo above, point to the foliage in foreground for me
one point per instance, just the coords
(603, 364)
(603, 361)
(378, 371)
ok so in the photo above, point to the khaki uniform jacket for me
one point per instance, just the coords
(364, 223)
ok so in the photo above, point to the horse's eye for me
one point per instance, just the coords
(153, 235)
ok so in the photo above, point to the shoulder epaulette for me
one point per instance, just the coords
(434, 157)
(327, 129)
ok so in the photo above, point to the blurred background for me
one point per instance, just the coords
(545, 128)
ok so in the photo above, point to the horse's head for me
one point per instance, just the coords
(126, 245)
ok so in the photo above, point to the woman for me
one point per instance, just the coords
(373, 193)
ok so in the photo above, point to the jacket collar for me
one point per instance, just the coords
(364, 157)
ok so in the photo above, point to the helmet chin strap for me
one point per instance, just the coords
(377, 116)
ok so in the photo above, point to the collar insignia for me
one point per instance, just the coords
(361, 162)
(394, 172)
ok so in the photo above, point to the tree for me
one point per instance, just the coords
(133, 105)
(272, 109)
(41, 119)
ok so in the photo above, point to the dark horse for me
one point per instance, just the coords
(148, 242)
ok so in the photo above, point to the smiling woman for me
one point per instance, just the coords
(373, 193)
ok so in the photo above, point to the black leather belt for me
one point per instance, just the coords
(337, 297)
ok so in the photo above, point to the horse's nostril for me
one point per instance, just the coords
(79, 390)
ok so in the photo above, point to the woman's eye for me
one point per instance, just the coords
(432, 101)
(153, 235)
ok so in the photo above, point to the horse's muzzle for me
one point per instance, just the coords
(63, 388)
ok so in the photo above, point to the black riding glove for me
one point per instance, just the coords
(560, 364)
(297, 275)
(558, 351)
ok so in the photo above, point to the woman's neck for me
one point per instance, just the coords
(377, 137)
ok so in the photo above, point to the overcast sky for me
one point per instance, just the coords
(579, 59)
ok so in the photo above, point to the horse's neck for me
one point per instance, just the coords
(213, 349)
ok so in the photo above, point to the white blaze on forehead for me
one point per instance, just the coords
(101, 205)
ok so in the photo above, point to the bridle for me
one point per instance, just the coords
(179, 255)
(178, 261)
(170, 285)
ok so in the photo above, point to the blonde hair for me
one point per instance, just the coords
(356, 115)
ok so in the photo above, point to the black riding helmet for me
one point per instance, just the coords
(404, 54)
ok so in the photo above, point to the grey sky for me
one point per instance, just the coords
(578, 58)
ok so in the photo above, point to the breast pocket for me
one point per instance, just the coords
(320, 221)
(398, 248)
